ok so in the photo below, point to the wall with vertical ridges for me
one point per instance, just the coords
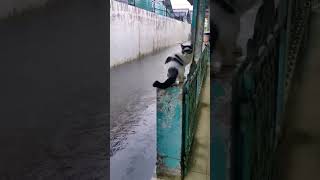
(135, 32)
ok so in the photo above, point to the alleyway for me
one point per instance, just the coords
(300, 156)
(133, 115)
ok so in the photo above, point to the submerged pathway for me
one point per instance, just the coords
(133, 116)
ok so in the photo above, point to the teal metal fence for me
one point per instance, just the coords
(160, 7)
(261, 82)
(191, 99)
(143, 4)
(298, 29)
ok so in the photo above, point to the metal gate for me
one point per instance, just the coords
(191, 98)
(261, 85)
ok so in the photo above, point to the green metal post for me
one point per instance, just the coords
(194, 20)
(288, 30)
(218, 133)
(282, 64)
(169, 132)
(198, 40)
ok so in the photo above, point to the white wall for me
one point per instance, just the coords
(135, 32)
(8, 6)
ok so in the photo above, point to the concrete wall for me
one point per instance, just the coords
(135, 32)
(8, 7)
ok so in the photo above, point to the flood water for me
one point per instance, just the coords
(133, 116)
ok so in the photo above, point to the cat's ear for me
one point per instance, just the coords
(182, 46)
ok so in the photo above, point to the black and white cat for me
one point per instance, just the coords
(176, 67)
(226, 16)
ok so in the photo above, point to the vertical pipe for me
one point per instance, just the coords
(284, 36)
(201, 9)
(169, 132)
(194, 20)
(289, 23)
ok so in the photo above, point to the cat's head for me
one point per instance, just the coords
(186, 49)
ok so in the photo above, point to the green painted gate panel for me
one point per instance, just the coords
(261, 85)
(192, 91)
(255, 97)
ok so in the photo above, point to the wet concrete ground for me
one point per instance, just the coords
(133, 116)
(300, 150)
(54, 88)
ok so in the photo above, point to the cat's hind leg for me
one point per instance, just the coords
(181, 78)
(181, 75)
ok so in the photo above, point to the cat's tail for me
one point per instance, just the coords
(172, 76)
